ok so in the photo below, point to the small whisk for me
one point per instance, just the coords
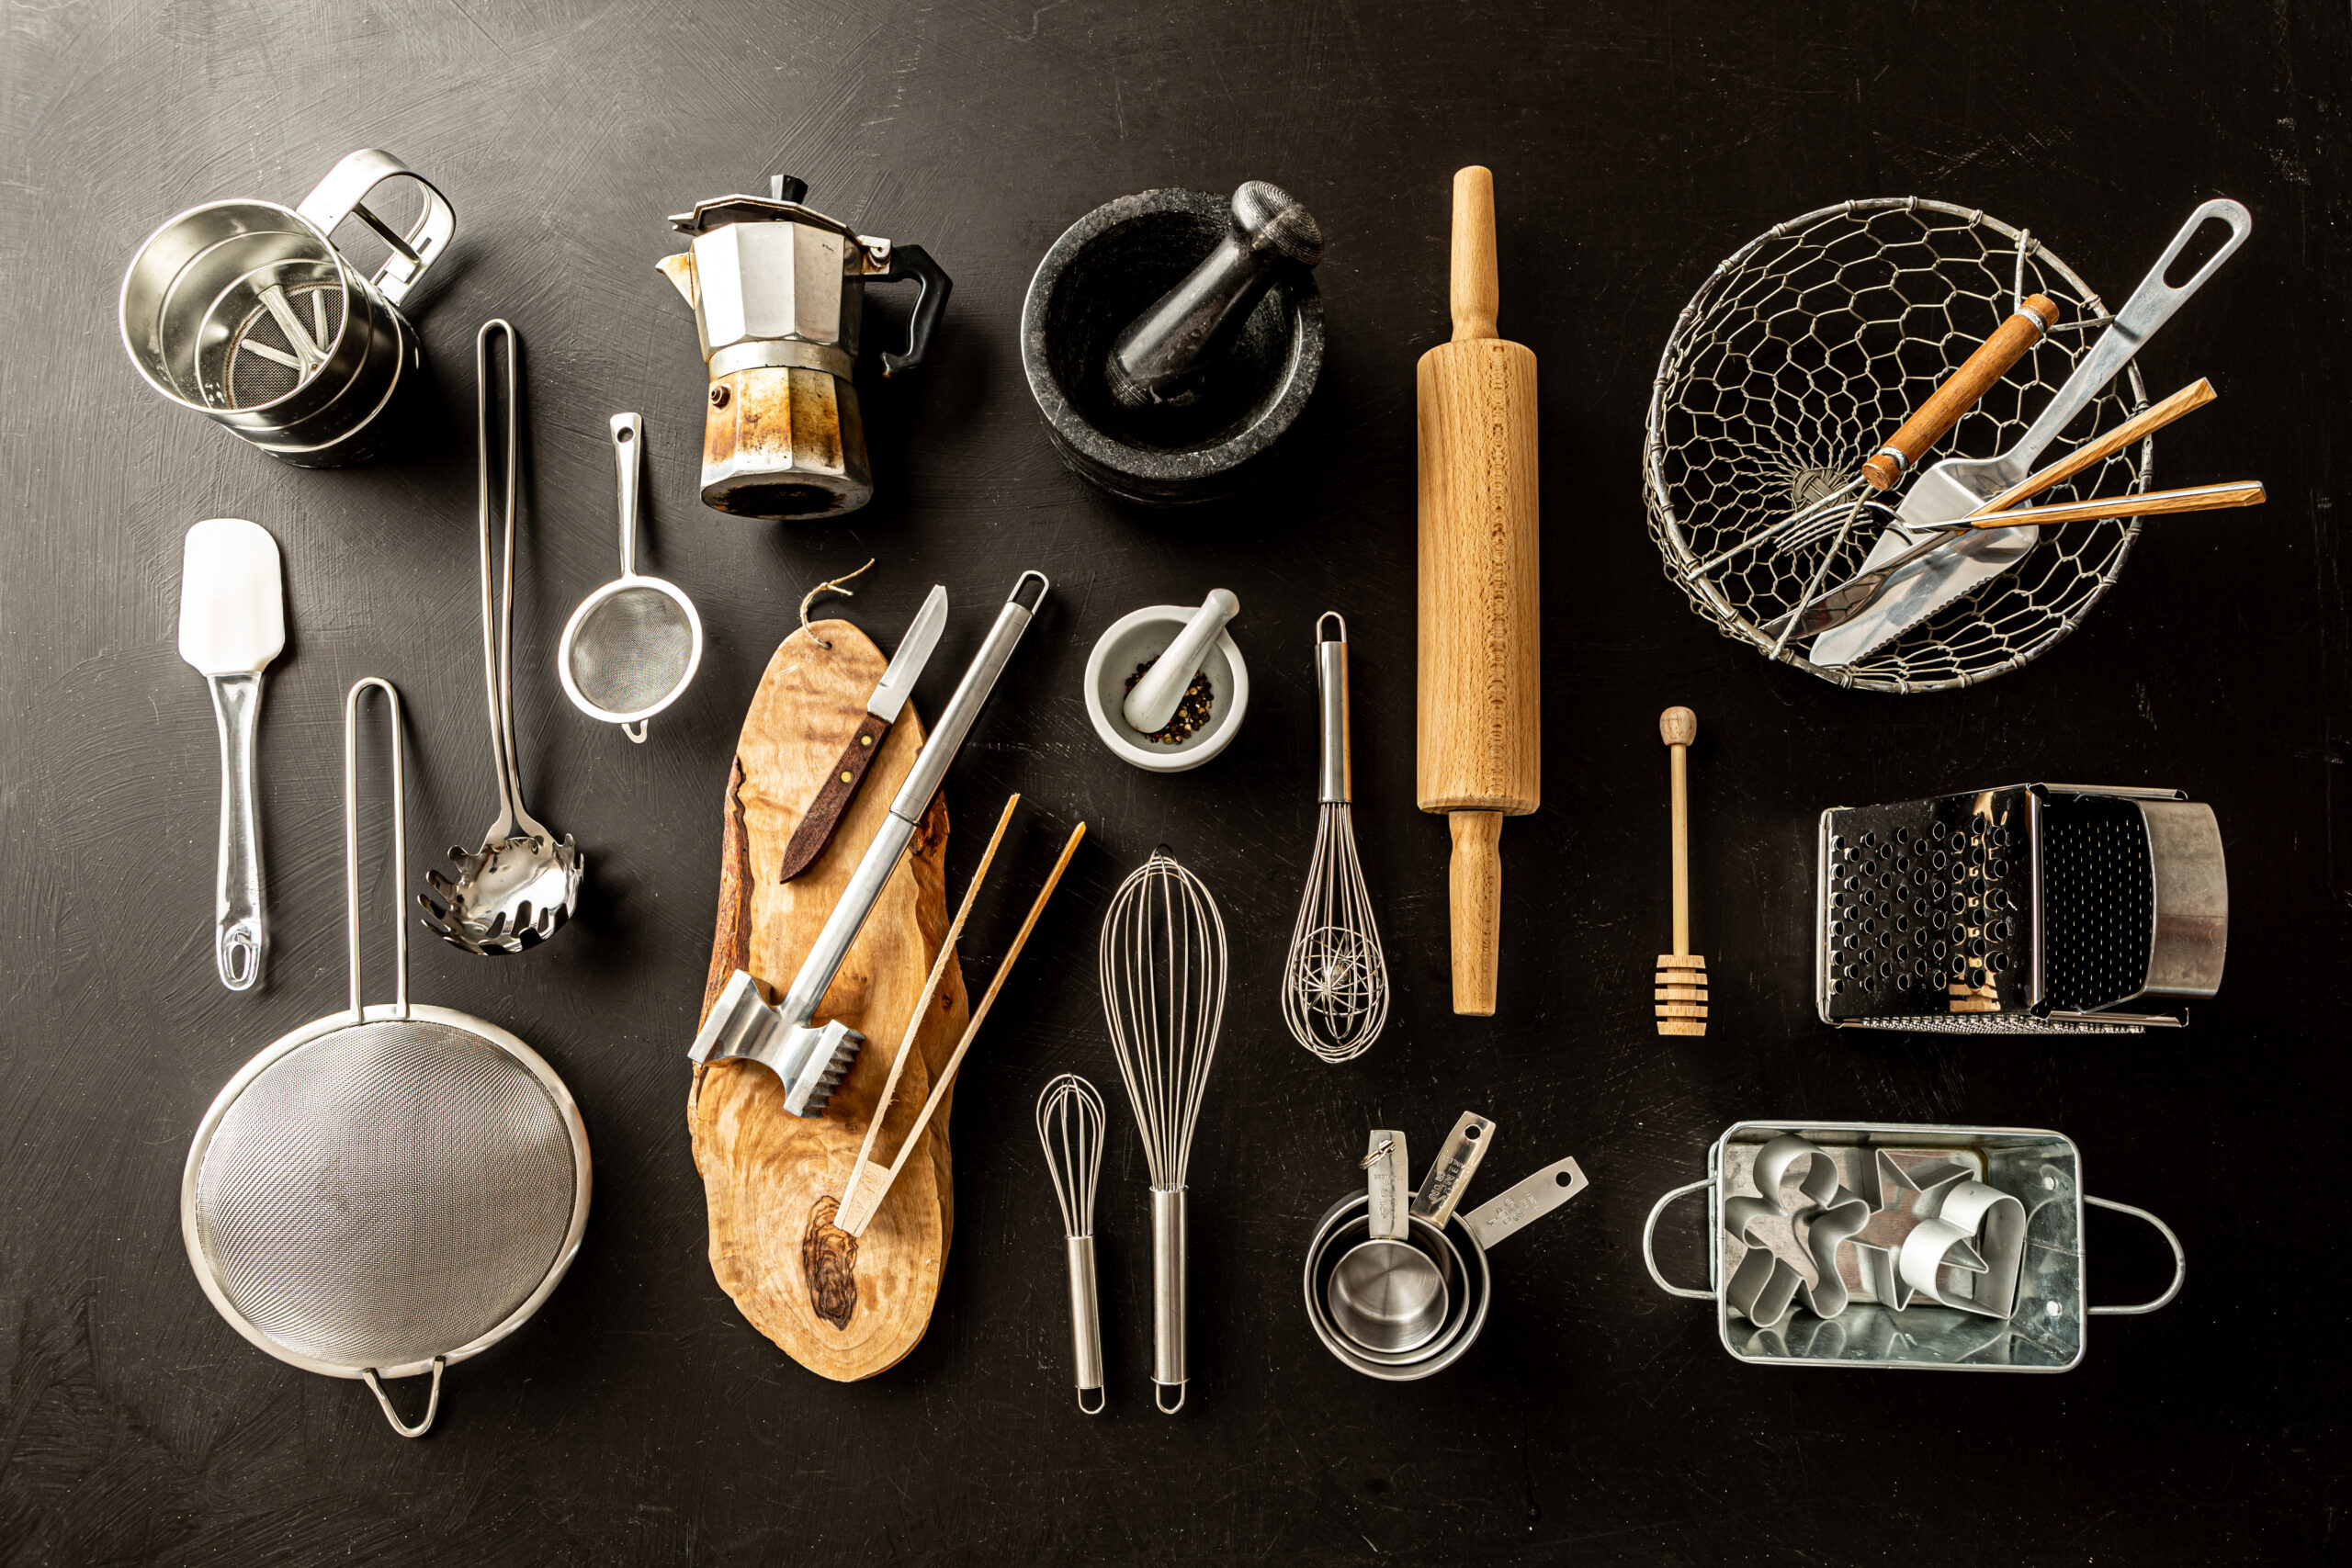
(1163, 969)
(1069, 1125)
(1335, 983)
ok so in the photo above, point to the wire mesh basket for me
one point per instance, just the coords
(1800, 355)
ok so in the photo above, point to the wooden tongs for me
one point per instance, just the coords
(869, 1181)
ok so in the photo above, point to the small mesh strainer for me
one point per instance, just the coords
(388, 1188)
(633, 646)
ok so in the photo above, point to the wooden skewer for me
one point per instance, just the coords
(854, 1221)
(1681, 975)
(923, 1010)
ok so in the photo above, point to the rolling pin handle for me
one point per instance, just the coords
(1475, 888)
(1476, 293)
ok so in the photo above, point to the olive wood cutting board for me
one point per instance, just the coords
(844, 1306)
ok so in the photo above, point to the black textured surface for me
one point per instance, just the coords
(638, 1419)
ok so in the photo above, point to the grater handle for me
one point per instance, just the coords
(344, 193)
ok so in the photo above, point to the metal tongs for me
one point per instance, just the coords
(786, 1039)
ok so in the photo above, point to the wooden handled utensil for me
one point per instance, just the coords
(1477, 714)
(2154, 504)
(2033, 317)
(1682, 974)
(869, 1181)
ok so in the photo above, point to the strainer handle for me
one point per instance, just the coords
(628, 435)
(343, 194)
(399, 858)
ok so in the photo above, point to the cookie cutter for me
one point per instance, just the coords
(1969, 1256)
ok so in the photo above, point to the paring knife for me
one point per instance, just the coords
(882, 710)
(1958, 486)
(233, 623)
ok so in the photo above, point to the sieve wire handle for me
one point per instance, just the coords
(351, 842)
(343, 194)
(628, 435)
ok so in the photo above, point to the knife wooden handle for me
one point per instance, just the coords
(2156, 503)
(2195, 395)
(817, 822)
(1959, 391)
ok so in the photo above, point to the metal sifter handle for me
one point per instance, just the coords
(343, 194)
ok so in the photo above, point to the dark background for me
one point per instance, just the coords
(638, 1418)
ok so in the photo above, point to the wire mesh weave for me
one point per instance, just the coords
(1796, 360)
(1335, 981)
(633, 650)
(386, 1193)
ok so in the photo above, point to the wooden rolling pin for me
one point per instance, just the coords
(1478, 716)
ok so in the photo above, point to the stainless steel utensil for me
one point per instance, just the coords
(1163, 973)
(2028, 908)
(1460, 1244)
(519, 889)
(1957, 486)
(1986, 1178)
(388, 1188)
(233, 623)
(1069, 1125)
(632, 647)
(1386, 1293)
(1457, 1161)
(1335, 981)
(808, 1057)
(245, 312)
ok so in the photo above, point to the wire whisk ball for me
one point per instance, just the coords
(1163, 964)
(1070, 1121)
(1798, 357)
(1335, 981)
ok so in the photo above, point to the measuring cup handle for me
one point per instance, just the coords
(343, 194)
(913, 263)
(1649, 1238)
(2179, 1261)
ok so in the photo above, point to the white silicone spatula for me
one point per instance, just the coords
(233, 623)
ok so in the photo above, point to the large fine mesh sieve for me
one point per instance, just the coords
(1798, 357)
(388, 1188)
(632, 646)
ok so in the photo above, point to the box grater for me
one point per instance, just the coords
(2031, 907)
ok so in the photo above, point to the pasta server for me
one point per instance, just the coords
(1958, 486)
(233, 623)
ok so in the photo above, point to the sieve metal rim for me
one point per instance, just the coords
(333, 1023)
(1666, 524)
(669, 590)
(343, 275)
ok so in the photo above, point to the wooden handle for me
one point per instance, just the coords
(816, 823)
(2195, 395)
(1476, 292)
(1475, 889)
(2156, 503)
(1678, 727)
(1959, 391)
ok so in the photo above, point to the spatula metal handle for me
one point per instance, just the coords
(240, 934)
(2150, 307)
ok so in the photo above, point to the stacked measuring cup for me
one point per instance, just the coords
(1396, 1281)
